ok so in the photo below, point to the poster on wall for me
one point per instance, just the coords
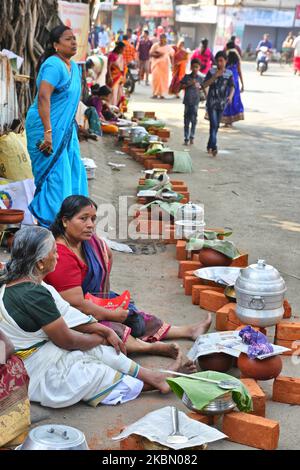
(157, 8)
(77, 17)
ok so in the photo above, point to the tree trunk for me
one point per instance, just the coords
(25, 25)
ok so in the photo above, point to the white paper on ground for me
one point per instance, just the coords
(228, 342)
(117, 246)
(157, 425)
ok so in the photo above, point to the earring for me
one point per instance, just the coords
(65, 225)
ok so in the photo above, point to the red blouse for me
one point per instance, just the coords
(70, 271)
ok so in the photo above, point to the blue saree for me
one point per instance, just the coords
(62, 174)
(235, 111)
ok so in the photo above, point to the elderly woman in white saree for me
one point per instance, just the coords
(69, 357)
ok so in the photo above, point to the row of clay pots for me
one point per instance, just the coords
(257, 369)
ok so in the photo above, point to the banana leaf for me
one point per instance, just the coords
(214, 235)
(169, 207)
(151, 183)
(225, 247)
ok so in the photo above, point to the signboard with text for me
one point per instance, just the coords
(77, 17)
(157, 8)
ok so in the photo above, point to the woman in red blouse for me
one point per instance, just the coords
(84, 267)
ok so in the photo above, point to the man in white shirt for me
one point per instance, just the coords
(103, 40)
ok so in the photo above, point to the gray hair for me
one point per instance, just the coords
(31, 244)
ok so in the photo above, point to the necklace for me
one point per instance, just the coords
(78, 253)
(66, 61)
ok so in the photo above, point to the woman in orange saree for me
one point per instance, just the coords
(161, 54)
(179, 69)
(116, 73)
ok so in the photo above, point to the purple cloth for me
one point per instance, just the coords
(258, 343)
(144, 49)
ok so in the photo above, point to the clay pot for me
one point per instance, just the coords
(260, 369)
(219, 362)
(11, 216)
(210, 257)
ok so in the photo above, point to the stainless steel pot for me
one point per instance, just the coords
(54, 437)
(190, 211)
(188, 229)
(260, 293)
(220, 405)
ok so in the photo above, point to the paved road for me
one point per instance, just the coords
(253, 186)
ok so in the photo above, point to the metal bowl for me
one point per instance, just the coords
(225, 276)
(219, 406)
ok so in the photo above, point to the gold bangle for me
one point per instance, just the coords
(48, 131)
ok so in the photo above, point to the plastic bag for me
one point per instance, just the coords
(14, 158)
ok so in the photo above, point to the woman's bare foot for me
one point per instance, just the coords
(157, 380)
(201, 328)
(165, 349)
(188, 367)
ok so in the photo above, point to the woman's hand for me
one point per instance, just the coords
(113, 339)
(46, 145)
(120, 314)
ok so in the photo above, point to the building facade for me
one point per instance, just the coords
(247, 19)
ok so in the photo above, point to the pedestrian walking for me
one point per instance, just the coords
(191, 84)
(143, 51)
(161, 55)
(235, 111)
(103, 40)
(296, 46)
(204, 54)
(51, 131)
(221, 90)
(180, 61)
(116, 72)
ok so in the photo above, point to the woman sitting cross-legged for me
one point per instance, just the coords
(84, 266)
(68, 356)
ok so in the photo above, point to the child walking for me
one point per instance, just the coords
(191, 84)
(221, 91)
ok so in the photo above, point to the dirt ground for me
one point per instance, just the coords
(253, 186)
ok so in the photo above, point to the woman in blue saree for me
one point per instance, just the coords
(234, 111)
(51, 131)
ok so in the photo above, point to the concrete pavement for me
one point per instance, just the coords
(253, 186)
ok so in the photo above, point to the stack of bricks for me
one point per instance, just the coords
(156, 222)
(287, 334)
(177, 185)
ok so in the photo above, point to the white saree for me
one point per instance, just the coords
(60, 378)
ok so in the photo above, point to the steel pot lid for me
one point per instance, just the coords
(260, 278)
(54, 436)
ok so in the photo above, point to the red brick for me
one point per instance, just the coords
(189, 282)
(212, 301)
(286, 390)
(230, 326)
(187, 266)
(195, 257)
(205, 419)
(287, 309)
(155, 227)
(289, 331)
(186, 196)
(241, 261)
(251, 430)
(232, 317)
(258, 397)
(180, 250)
(222, 316)
(132, 442)
(150, 163)
(293, 345)
(196, 291)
